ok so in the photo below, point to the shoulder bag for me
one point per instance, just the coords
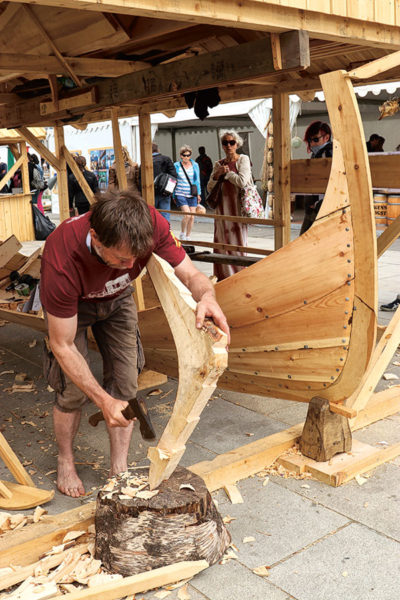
(193, 186)
(250, 201)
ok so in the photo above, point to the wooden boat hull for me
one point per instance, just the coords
(303, 320)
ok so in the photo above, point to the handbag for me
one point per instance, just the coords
(42, 225)
(250, 202)
(215, 196)
(193, 186)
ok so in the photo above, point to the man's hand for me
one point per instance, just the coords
(203, 292)
(112, 413)
(209, 307)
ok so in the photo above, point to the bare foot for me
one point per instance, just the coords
(68, 481)
(117, 468)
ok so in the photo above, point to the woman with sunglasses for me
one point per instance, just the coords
(186, 193)
(319, 145)
(234, 173)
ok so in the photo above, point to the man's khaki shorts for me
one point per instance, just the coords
(114, 326)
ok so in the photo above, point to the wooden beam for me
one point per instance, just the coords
(247, 220)
(85, 187)
(13, 463)
(62, 177)
(387, 237)
(39, 146)
(50, 65)
(204, 71)
(84, 99)
(276, 51)
(230, 247)
(281, 120)
(257, 15)
(307, 177)
(146, 158)
(31, 14)
(24, 168)
(11, 172)
(119, 158)
(376, 67)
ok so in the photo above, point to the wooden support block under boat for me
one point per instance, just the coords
(325, 433)
(138, 530)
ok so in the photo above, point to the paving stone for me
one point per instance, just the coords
(271, 514)
(355, 563)
(229, 425)
(233, 580)
(361, 503)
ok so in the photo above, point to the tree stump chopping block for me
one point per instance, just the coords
(136, 532)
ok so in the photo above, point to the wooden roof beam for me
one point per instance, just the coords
(229, 65)
(259, 15)
(52, 45)
(50, 65)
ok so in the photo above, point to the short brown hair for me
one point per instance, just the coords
(123, 218)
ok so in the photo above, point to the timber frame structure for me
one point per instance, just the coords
(135, 58)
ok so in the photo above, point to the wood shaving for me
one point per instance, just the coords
(389, 376)
(228, 519)
(183, 593)
(261, 571)
(229, 555)
(360, 480)
(146, 494)
(32, 344)
(162, 594)
(155, 392)
(129, 491)
(72, 535)
(110, 485)
(120, 496)
(186, 486)
(248, 539)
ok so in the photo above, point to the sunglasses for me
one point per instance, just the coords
(190, 154)
(316, 138)
(228, 142)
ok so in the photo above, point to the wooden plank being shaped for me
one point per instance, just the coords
(202, 357)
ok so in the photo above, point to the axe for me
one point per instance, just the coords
(135, 409)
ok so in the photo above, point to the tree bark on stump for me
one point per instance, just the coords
(135, 534)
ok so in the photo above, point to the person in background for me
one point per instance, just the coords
(187, 189)
(234, 172)
(162, 164)
(36, 181)
(206, 167)
(3, 170)
(375, 143)
(131, 170)
(75, 193)
(319, 144)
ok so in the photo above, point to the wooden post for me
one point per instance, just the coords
(281, 168)
(146, 158)
(119, 159)
(62, 177)
(24, 168)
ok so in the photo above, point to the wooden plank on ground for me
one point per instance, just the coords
(25, 546)
(140, 583)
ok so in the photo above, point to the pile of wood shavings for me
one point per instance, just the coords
(65, 568)
(9, 521)
(277, 470)
(129, 486)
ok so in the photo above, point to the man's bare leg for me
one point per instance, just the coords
(120, 438)
(65, 428)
